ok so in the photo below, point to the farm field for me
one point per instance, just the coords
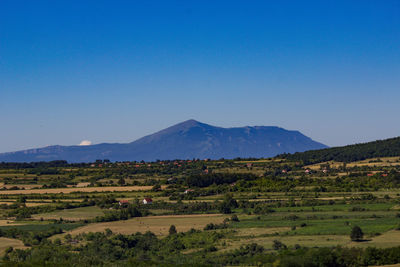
(377, 162)
(8, 222)
(159, 225)
(247, 211)
(71, 214)
(72, 190)
(10, 242)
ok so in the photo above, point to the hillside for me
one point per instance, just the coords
(380, 148)
(186, 140)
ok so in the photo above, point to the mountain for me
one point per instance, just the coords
(186, 140)
(380, 148)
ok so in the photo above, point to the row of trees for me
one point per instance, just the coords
(381, 148)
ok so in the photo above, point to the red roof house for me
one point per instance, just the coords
(147, 201)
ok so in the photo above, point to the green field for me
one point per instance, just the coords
(71, 214)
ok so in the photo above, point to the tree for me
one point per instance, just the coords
(22, 199)
(156, 187)
(121, 181)
(228, 203)
(356, 234)
(278, 245)
(172, 230)
(234, 218)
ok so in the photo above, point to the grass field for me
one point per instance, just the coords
(253, 232)
(71, 214)
(10, 242)
(321, 225)
(72, 190)
(388, 239)
(381, 162)
(22, 186)
(38, 227)
(159, 225)
(8, 222)
(290, 241)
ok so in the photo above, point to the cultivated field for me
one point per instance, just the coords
(73, 190)
(159, 225)
(10, 242)
(377, 162)
(71, 214)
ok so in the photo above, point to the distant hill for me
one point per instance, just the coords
(381, 148)
(186, 140)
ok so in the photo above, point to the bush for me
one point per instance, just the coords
(278, 245)
(234, 218)
(172, 230)
(356, 234)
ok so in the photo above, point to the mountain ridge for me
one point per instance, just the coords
(188, 139)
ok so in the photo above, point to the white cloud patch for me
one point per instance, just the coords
(85, 143)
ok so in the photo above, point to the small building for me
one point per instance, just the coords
(249, 165)
(123, 203)
(147, 201)
(187, 191)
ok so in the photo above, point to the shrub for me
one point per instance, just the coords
(278, 245)
(172, 230)
(356, 233)
(234, 218)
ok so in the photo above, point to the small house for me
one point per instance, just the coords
(187, 191)
(147, 201)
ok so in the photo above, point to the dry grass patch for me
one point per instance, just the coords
(383, 162)
(48, 201)
(8, 223)
(386, 240)
(159, 225)
(260, 231)
(23, 186)
(80, 185)
(10, 242)
(7, 202)
(35, 204)
(72, 190)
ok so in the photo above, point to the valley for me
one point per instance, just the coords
(207, 212)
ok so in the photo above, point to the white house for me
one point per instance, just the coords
(147, 201)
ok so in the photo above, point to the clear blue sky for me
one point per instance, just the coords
(113, 71)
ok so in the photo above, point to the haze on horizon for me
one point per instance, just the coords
(74, 72)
